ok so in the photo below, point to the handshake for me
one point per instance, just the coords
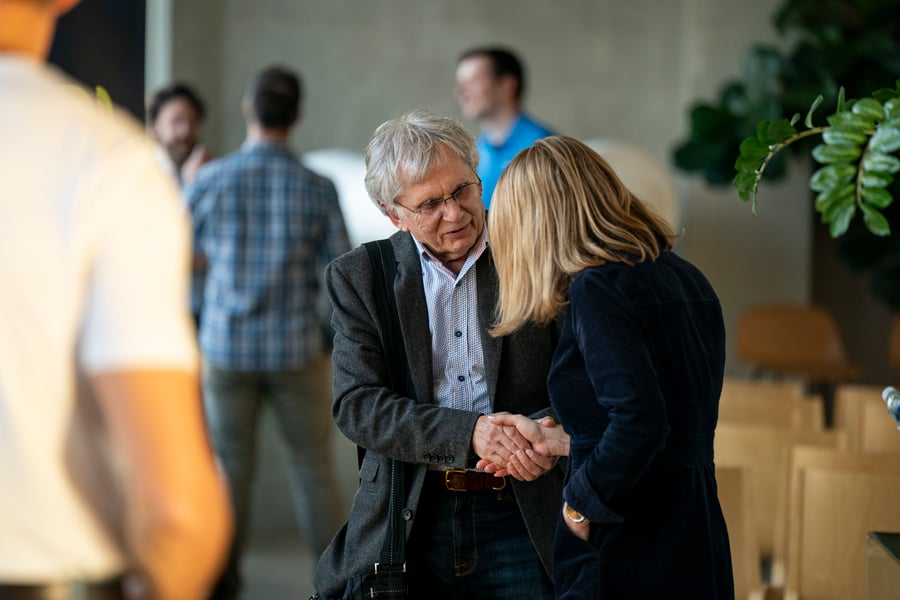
(518, 446)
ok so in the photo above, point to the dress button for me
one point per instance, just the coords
(461, 378)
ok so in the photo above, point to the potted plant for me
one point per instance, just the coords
(844, 50)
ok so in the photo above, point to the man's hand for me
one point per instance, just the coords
(196, 159)
(545, 435)
(531, 461)
(495, 442)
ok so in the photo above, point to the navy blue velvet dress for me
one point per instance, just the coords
(635, 382)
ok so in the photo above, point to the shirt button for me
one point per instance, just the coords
(406, 514)
(458, 334)
(461, 378)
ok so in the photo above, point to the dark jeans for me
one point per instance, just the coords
(472, 545)
(301, 403)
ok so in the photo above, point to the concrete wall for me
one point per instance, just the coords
(596, 68)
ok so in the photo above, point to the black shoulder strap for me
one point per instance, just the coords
(381, 256)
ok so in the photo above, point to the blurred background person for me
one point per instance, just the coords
(490, 85)
(174, 116)
(110, 489)
(635, 380)
(267, 226)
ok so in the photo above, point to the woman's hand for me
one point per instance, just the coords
(547, 439)
(577, 523)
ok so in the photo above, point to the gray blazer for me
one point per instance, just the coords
(416, 431)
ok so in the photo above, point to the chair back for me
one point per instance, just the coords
(861, 411)
(762, 451)
(839, 499)
(794, 339)
(734, 497)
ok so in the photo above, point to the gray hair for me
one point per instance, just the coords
(403, 150)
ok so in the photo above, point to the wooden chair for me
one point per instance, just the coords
(744, 387)
(734, 496)
(878, 431)
(796, 340)
(775, 403)
(861, 411)
(789, 507)
(762, 451)
(802, 340)
(839, 498)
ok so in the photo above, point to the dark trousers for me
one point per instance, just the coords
(472, 545)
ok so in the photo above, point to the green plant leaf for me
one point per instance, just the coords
(830, 198)
(752, 148)
(881, 163)
(746, 184)
(892, 109)
(877, 197)
(747, 164)
(869, 107)
(835, 153)
(778, 131)
(875, 221)
(840, 100)
(837, 135)
(841, 220)
(808, 122)
(884, 95)
(885, 140)
(851, 121)
(874, 179)
(831, 177)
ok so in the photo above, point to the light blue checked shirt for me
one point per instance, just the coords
(457, 355)
(267, 226)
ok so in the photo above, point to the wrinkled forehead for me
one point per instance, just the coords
(436, 166)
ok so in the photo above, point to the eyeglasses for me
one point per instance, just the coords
(465, 193)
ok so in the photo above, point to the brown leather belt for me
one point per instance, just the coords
(110, 589)
(461, 480)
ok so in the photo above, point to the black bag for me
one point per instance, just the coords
(387, 579)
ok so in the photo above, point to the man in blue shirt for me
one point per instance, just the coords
(490, 83)
(267, 226)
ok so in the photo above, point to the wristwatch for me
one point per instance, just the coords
(572, 514)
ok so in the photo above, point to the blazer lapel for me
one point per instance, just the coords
(410, 295)
(486, 278)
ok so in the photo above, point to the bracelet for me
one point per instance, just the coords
(572, 514)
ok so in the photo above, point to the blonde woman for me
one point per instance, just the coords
(635, 380)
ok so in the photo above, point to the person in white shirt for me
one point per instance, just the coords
(110, 488)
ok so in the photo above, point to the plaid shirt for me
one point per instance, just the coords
(267, 226)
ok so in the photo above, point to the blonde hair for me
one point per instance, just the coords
(560, 208)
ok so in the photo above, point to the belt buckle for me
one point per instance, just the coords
(501, 485)
(449, 474)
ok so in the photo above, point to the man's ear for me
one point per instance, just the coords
(392, 215)
(509, 85)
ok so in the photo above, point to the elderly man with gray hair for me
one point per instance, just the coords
(469, 534)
